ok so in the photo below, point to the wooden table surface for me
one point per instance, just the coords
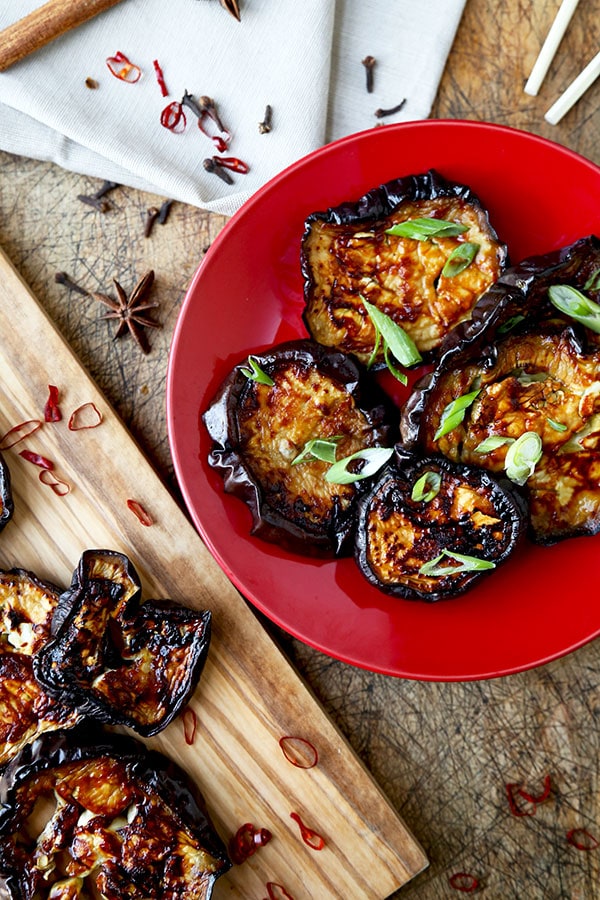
(443, 752)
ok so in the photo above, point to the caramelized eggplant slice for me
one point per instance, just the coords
(430, 529)
(117, 658)
(260, 426)
(6, 501)
(426, 283)
(522, 367)
(26, 709)
(84, 814)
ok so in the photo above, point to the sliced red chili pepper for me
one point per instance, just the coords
(19, 433)
(190, 721)
(138, 510)
(173, 117)
(532, 798)
(123, 68)
(60, 487)
(36, 459)
(581, 839)
(246, 842)
(298, 751)
(277, 891)
(52, 411)
(160, 78)
(233, 163)
(514, 792)
(85, 416)
(311, 838)
(463, 881)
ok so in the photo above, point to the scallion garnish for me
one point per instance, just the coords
(373, 457)
(422, 229)
(454, 413)
(573, 303)
(492, 443)
(593, 282)
(466, 564)
(427, 487)
(395, 342)
(558, 426)
(460, 259)
(522, 457)
(510, 324)
(254, 372)
(317, 448)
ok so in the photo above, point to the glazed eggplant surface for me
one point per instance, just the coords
(84, 814)
(531, 370)
(259, 430)
(6, 501)
(430, 529)
(348, 254)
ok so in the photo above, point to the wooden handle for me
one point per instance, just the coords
(43, 25)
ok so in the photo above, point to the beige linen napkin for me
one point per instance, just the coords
(301, 58)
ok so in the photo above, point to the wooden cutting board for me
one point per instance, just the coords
(249, 696)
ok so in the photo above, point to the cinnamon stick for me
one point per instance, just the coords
(43, 25)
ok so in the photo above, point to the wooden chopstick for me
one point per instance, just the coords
(43, 25)
(550, 46)
(575, 90)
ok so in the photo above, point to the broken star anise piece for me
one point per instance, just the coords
(131, 311)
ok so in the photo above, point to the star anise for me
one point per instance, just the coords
(131, 310)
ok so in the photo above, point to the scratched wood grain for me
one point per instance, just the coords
(441, 752)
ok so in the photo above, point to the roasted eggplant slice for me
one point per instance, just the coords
(26, 709)
(6, 501)
(521, 368)
(260, 426)
(87, 815)
(429, 529)
(426, 281)
(117, 658)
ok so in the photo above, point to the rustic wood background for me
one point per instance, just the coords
(442, 752)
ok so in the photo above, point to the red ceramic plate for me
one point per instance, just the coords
(247, 296)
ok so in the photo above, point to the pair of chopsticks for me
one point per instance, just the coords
(579, 85)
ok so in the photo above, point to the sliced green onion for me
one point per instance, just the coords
(395, 341)
(421, 229)
(427, 487)
(573, 303)
(510, 324)
(460, 259)
(255, 373)
(492, 443)
(374, 458)
(318, 449)
(558, 426)
(593, 282)
(523, 456)
(454, 413)
(467, 564)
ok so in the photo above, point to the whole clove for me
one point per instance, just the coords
(151, 216)
(97, 202)
(67, 281)
(163, 212)
(212, 166)
(265, 126)
(105, 188)
(380, 113)
(369, 64)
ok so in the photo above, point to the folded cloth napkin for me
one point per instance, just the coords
(303, 59)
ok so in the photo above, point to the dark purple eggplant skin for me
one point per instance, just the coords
(6, 500)
(152, 773)
(132, 625)
(520, 297)
(392, 491)
(226, 455)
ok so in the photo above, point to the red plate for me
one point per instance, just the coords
(247, 296)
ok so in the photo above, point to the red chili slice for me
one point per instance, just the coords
(123, 69)
(514, 792)
(311, 838)
(173, 117)
(36, 459)
(160, 78)
(60, 487)
(52, 411)
(138, 510)
(85, 416)
(233, 163)
(19, 433)
(463, 881)
(190, 721)
(298, 751)
(246, 842)
(581, 839)
(277, 891)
